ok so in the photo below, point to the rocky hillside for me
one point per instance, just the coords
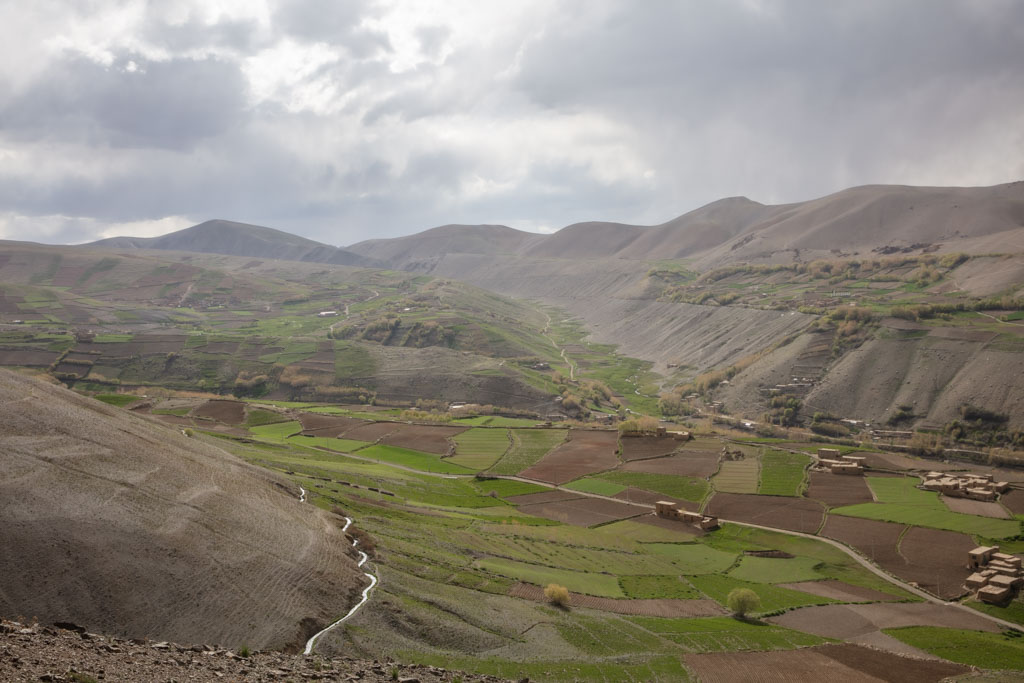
(131, 528)
(39, 653)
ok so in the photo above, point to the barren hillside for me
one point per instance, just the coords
(128, 527)
(864, 221)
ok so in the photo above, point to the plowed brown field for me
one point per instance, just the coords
(585, 452)
(836, 490)
(228, 412)
(836, 663)
(933, 559)
(330, 426)
(641, 447)
(584, 511)
(686, 464)
(796, 514)
(426, 438)
(976, 507)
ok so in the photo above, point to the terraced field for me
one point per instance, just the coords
(528, 446)
(478, 449)
(737, 476)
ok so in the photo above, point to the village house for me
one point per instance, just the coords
(327, 314)
(973, 486)
(831, 460)
(667, 510)
(999, 575)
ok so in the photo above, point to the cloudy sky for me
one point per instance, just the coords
(343, 120)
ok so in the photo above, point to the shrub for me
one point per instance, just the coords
(557, 595)
(742, 601)
(640, 425)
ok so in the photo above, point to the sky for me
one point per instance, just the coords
(345, 120)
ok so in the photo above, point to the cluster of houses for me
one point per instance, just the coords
(830, 459)
(668, 510)
(998, 577)
(974, 486)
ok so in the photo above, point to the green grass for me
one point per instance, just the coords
(607, 636)
(782, 473)
(903, 490)
(647, 533)
(737, 476)
(1013, 612)
(119, 400)
(724, 634)
(528, 446)
(684, 488)
(694, 558)
(480, 448)
(924, 515)
(505, 488)
(776, 570)
(602, 585)
(276, 433)
(598, 486)
(674, 587)
(717, 587)
(414, 459)
(974, 648)
(331, 443)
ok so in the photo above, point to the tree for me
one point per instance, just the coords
(558, 595)
(743, 601)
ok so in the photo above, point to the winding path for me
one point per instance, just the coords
(568, 361)
(311, 643)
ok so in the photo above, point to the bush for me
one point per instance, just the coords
(640, 425)
(743, 601)
(557, 595)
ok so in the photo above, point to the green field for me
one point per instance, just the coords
(901, 501)
(588, 583)
(528, 446)
(119, 400)
(694, 558)
(595, 485)
(658, 587)
(417, 460)
(329, 443)
(776, 570)
(974, 648)
(721, 634)
(478, 449)
(737, 476)
(782, 473)
(503, 488)
(717, 587)
(278, 432)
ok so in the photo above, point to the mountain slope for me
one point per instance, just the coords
(239, 239)
(860, 220)
(127, 527)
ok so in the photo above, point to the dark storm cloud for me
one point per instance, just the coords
(351, 120)
(132, 103)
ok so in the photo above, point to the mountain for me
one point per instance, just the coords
(128, 527)
(240, 239)
(858, 221)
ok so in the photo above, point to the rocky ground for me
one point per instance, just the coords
(43, 653)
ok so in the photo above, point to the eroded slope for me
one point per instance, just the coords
(128, 527)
